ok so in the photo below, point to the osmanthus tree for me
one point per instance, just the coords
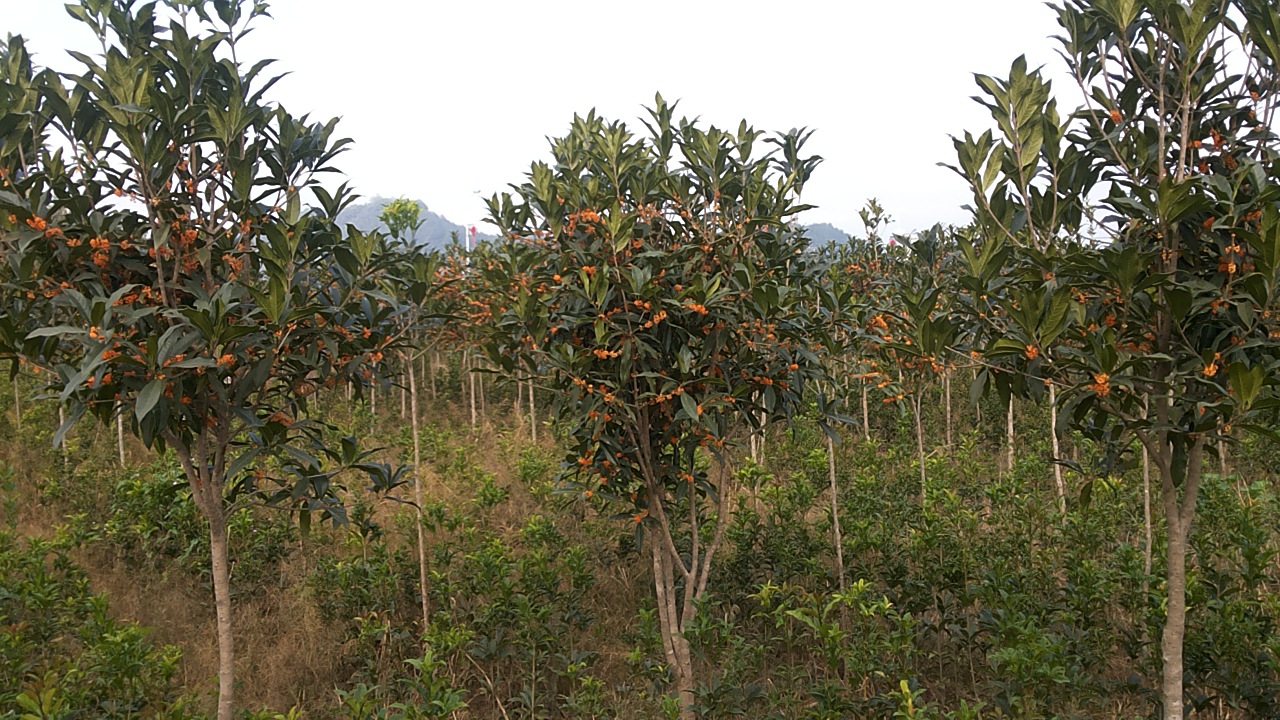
(417, 283)
(157, 261)
(1174, 335)
(915, 331)
(658, 287)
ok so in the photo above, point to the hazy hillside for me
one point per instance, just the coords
(823, 233)
(435, 230)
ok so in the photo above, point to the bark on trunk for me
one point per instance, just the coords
(429, 367)
(1146, 514)
(205, 467)
(676, 613)
(1057, 450)
(120, 435)
(17, 405)
(62, 445)
(946, 404)
(222, 605)
(1179, 514)
(471, 376)
(866, 416)
(533, 416)
(1009, 438)
(915, 406)
(675, 646)
(835, 511)
(417, 496)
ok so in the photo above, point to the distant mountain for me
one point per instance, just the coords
(823, 233)
(435, 231)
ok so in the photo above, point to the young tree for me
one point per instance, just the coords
(158, 261)
(1179, 304)
(657, 285)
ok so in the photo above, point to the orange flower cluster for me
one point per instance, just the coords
(664, 397)
(1101, 384)
(657, 318)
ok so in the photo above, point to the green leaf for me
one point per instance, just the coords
(148, 398)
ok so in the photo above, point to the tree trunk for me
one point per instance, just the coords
(417, 496)
(1178, 515)
(866, 416)
(915, 406)
(675, 646)
(222, 605)
(946, 404)
(471, 376)
(676, 614)
(62, 445)
(1057, 450)
(1146, 512)
(1009, 437)
(429, 368)
(120, 435)
(17, 405)
(533, 415)
(763, 434)
(835, 511)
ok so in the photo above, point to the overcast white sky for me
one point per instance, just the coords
(446, 99)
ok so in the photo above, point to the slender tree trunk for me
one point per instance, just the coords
(762, 435)
(675, 646)
(915, 406)
(222, 605)
(62, 446)
(429, 369)
(120, 435)
(1057, 450)
(17, 405)
(835, 511)
(946, 404)
(1146, 538)
(866, 416)
(417, 496)
(404, 400)
(1009, 437)
(471, 376)
(480, 380)
(1179, 515)
(1146, 511)
(206, 476)
(753, 441)
(533, 415)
